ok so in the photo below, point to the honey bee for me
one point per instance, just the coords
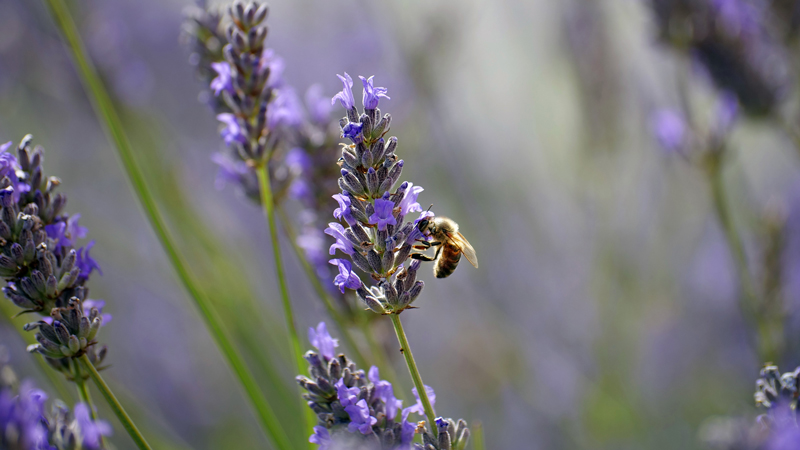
(451, 245)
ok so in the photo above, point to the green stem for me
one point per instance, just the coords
(294, 340)
(269, 213)
(83, 391)
(405, 349)
(749, 300)
(119, 411)
(113, 126)
(477, 436)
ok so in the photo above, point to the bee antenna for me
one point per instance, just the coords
(429, 208)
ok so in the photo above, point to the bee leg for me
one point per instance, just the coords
(438, 250)
(421, 257)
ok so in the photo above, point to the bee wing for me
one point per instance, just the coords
(466, 248)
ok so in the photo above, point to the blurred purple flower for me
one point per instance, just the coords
(336, 230)
(345, 96)
(270, 60)
(727, 111)
(285, 109)
(669, 129)
(223, 81)
(317, 104)
(385, 391)
(230, 171)
(409, 202)
(418, 408)
(383, 213)
(346, 278)
(8, 168)
(372, 94)
(4, 147)
(88, 304)
(321, 437)
(322, 341)
(91, 432)
(22, 421)
(344, 210)
(232, 131)
(85, 262)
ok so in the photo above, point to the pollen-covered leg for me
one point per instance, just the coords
(422, 257)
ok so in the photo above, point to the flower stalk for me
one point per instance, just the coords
(115, 405)
(405, 349)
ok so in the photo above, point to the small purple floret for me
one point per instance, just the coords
(669, 129)
(418, 408)
(322, 341)
(232, 131)
(91, 431)
(346, 277)
(344, 210)
(85, 262)
(321, 437)
(223, 81)
(336, 230)
(360, 418)
(409, 203)
(345, 96)
(383, 215)
(372, 94)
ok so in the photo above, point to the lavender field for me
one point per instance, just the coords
(215, 229)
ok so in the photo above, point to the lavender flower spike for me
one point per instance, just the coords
(354, 410)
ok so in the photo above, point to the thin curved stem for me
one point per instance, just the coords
(294, 339)
(405, 349)
(83, 391)
(749, 304)
(119, 411)
(109, 118)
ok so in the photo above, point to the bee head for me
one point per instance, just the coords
(427, 223)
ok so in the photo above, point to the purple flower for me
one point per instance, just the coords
(336, 231)
(372, 94)
(409, 202)
(385, 391)
(407, 432)
(345, 96)
(785, 438)
(344, 210)
(360, 418)
(669, 128)
(63, 232)
(91, 431)
(383, 213)
(232, 131)
(8, 168)
(23, 414)
(276, 66)
(318, 107)
(85, 262)
(347, 396)
(351, 130)
(418, 408)
(321, 437)
(230, 171)
(88, 304)
(223, 81)
(346, 278)
(285, 110)
(322, 341)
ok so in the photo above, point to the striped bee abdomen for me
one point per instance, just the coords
(447, 261)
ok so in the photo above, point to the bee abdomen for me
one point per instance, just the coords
(447, 262)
